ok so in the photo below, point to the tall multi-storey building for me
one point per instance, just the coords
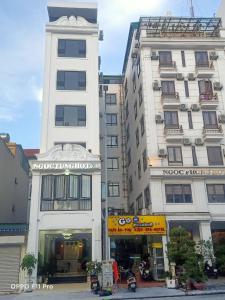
(175, 115)
(65, 213)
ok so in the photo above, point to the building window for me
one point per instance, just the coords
(135, 110)
(112, 163)
(139, 169)
(183, 59)
(129, 157)
(138, 67)
(168, 88)
(194, 156)
(60, 192)
(134, 82)
(62, 144)
(111, 119)
(113, 189)
(68, 115)
(71, 80)
(144, 159)
(216, 193)
(190, 123)
(186, 88)
(147, 197)
(128, 132)
(171, 119)
(110, 99)
(214, 156)
(178, 193)
(137, 137)
(139, 203)
(201, 59)
(210, 119)
(127, 110)
(71, 48)
(205, 89)
(142, 123)
(175, 156)
(140, 95)
(165, 59)
(130, 184)
(112, 141)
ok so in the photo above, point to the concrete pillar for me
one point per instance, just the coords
(205, 230)
(33, 235)
(166, 261)
(97, 217)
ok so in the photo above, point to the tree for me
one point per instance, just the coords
(28, 263)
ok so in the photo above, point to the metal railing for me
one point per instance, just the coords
(173, 131)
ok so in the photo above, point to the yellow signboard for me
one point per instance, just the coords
(136, 225)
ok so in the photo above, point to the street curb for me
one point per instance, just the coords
(169, 296)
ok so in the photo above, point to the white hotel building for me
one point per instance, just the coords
(65, 213)
(164, 137)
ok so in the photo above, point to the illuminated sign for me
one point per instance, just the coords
(136, 225)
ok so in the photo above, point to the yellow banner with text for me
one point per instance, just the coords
(136, 225)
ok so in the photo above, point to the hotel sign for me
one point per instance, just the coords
(66, 165)
(136, 225)
(190, 172)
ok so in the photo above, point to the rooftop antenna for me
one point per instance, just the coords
(191, 8)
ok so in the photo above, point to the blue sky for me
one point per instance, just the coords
(22, 52)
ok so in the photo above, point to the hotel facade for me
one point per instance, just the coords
(149, 142)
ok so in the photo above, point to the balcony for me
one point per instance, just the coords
(209, 101)
(204, 70)
(168, 70)
(213, 134)
(174, 134)
(170, 100)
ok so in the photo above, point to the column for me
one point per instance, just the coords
(205, 230)
(166, 261)
(33, 235)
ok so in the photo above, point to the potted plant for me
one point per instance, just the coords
(40, 268)
(171, 281)
(94, 270)
(28, 264)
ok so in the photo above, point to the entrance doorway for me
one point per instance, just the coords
(130, 251)
(64, 255)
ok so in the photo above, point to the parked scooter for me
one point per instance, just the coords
(131, 281)
(210, 270)
(144, 269)
(95, 286)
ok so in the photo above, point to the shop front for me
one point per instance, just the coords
(135, 238)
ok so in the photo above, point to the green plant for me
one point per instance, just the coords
(94, 267)
(205, 248)
(182, 251)
(40, 267)
(28, 263)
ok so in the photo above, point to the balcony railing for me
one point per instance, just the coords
(212, 134)
(204, 70)
(208, 100)
(169, 65)
(205, 65)
(170, 100)
(173, 131)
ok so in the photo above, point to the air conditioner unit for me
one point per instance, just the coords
(154, 55)
(156, 86)
(183, 107)
(213, 55)
(221, 118)
(195, 107)
(162, 153)
(191, 76)
(180, 76)
(186, 141)
(159, 119)
(199, 142)
(217, 86)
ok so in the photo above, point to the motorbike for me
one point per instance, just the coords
(131, 281)
(95, 286)
(144, 269)
(211, 271)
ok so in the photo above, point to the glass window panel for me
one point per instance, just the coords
(86, 186)
(47, 187)
(214, 156)
(73, 186)
(71, 48)
(60, 191)
(71, 80)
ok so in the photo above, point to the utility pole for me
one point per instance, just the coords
(192, 13)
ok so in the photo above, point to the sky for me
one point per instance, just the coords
(22, 52)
